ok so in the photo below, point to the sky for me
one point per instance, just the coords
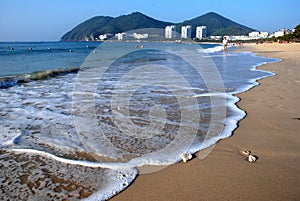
(48, 20)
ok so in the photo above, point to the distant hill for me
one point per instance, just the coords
(101, 25)
(217, 25)
(92, 28)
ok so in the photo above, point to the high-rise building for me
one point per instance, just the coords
(201, 32)
(186, 31)
(121, 36)
(169, 31)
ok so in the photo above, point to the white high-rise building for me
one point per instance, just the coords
(201, 32)
(169, 31)
(121, 36)
(186, 31)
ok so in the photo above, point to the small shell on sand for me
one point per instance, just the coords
(246, 152)
(252, 158)
(186, 156)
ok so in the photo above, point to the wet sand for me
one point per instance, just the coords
(271, 130)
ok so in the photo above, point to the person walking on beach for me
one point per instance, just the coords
(225, 42)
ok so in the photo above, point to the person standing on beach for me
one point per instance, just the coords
(225, 42)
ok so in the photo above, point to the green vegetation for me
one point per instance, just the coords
(297, 32)
(92, 28)
(292, 37)
(87, 28)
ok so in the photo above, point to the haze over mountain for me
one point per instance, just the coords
(92, 28)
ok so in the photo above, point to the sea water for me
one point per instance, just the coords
(82, 133)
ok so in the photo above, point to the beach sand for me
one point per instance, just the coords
(271, 130)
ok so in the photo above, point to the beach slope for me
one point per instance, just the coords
(271, 130)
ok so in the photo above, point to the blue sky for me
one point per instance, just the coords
(48, 20)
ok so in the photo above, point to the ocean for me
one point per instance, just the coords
(80, 120)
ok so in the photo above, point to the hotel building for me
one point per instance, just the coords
(201, 32)
(169, 31)
(121, 36)
(186, 31)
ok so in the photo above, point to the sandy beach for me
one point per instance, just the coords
(271, 130)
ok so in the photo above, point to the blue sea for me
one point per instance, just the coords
(81, 120)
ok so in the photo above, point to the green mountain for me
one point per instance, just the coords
(89, 28)
(101, 25)
(92, 28)
(217, 25)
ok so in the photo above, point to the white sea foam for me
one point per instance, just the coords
(209, 94)
(11, 137)
(218, 48)
(74, 162)
(119, 180)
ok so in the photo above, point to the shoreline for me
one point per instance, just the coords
(269, 130)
